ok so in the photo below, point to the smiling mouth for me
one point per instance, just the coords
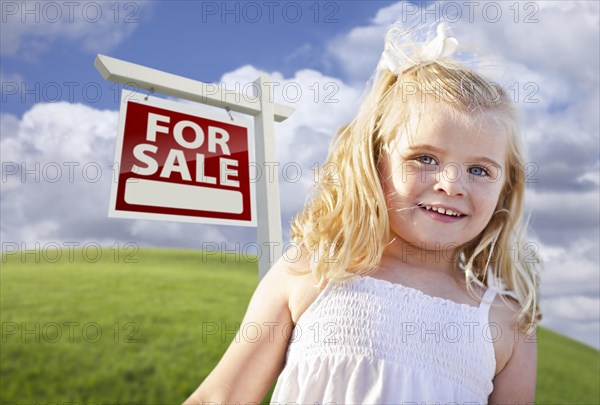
(442, 211)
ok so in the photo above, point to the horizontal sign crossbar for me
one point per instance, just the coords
(118, 71)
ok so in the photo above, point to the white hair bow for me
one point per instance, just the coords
(399, 57)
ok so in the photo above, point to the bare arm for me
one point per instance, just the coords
(252, 363)
(515, 384)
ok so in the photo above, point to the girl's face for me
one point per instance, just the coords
(442, 180)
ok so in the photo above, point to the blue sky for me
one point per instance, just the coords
(546, 53)
(201, 40)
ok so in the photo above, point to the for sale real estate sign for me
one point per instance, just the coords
(176, 162)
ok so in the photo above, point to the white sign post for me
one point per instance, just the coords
(265, 113)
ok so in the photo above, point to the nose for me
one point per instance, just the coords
(449, 180)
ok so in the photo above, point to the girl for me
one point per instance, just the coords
(413, 285)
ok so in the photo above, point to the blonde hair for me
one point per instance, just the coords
(345, 225)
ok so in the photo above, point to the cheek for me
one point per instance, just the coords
(409, 181)
(487, 199)
(402, 194)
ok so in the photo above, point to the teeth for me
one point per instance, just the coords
(442, 211)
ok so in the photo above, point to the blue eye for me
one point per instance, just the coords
(477, 171)
(427, 160)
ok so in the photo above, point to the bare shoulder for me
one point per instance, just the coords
(516, 355)
(292, 274)
(502, 317)
(506, 330)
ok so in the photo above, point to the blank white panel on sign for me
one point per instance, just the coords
(172, 195)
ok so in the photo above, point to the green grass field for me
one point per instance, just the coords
(136, 327)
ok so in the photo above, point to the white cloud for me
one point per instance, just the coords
(565, 211)
(29, 28)
(50, 171)
(570, 282)
(357, 52)
(522, 36)
(575, 316)
(570, 270)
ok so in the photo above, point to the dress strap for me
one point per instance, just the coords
(486, 302)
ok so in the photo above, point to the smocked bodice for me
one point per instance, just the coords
(367, 340)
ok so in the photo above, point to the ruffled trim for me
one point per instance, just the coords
(418, 294)
(363, 380)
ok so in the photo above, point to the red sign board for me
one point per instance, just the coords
(180, 163)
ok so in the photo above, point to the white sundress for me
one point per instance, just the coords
(370, 341)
